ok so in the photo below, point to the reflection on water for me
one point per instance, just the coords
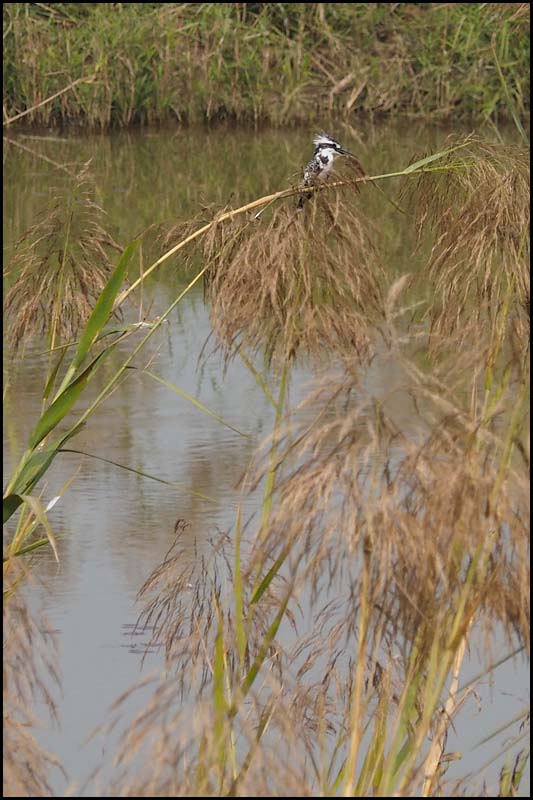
(117, 525)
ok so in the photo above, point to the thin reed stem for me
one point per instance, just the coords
(266, 508)
(44, 102)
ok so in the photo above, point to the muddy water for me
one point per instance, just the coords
(114, 525)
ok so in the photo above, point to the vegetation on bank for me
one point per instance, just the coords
(103, 65)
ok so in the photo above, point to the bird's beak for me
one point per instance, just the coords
(357, 162)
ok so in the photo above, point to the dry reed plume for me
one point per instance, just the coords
(30, 676)
(189, 607)
(61, 265)
(404, 545)
(478, 208)
(297, 284)
(420, 505)
(181, 598)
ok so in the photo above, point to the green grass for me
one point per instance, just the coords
(122, 64)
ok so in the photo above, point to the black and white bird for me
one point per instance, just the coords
(327, 149)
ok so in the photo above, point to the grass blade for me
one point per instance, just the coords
(64, 401)
(238, 593)
(34, 465)
(37, 508)
(251, 675)
(178, 486)
(195, 402)
(100, 314)
(522, 715)
(433, 157)
(10, 505)
(27, 549)
(271, 574)
(219, 700)
(53, 375)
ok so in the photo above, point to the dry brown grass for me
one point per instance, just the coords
(395, 548)
(297, 283)
(60, 264)
(478, 211)
(422, 501)
(30, 676)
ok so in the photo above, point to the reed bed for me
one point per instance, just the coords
(319, 648)
(107, 65)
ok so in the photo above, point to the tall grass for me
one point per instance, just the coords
(404, 545)
(30, 676)
(101, 65)
(480, 258)
(60, 267)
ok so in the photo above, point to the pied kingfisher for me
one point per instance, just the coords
(318, 169)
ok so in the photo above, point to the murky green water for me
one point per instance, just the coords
(117, 525)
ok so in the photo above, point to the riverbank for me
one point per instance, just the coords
(117, 65)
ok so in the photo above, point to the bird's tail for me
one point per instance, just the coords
(302, 200)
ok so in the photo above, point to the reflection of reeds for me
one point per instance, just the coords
(298, 284)
(60, 266)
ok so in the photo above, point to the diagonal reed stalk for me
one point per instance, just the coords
(417, 168)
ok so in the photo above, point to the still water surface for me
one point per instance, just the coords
(117, 525)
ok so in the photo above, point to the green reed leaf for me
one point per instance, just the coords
(100, 314)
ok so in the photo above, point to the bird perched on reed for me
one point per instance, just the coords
(327, 149)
